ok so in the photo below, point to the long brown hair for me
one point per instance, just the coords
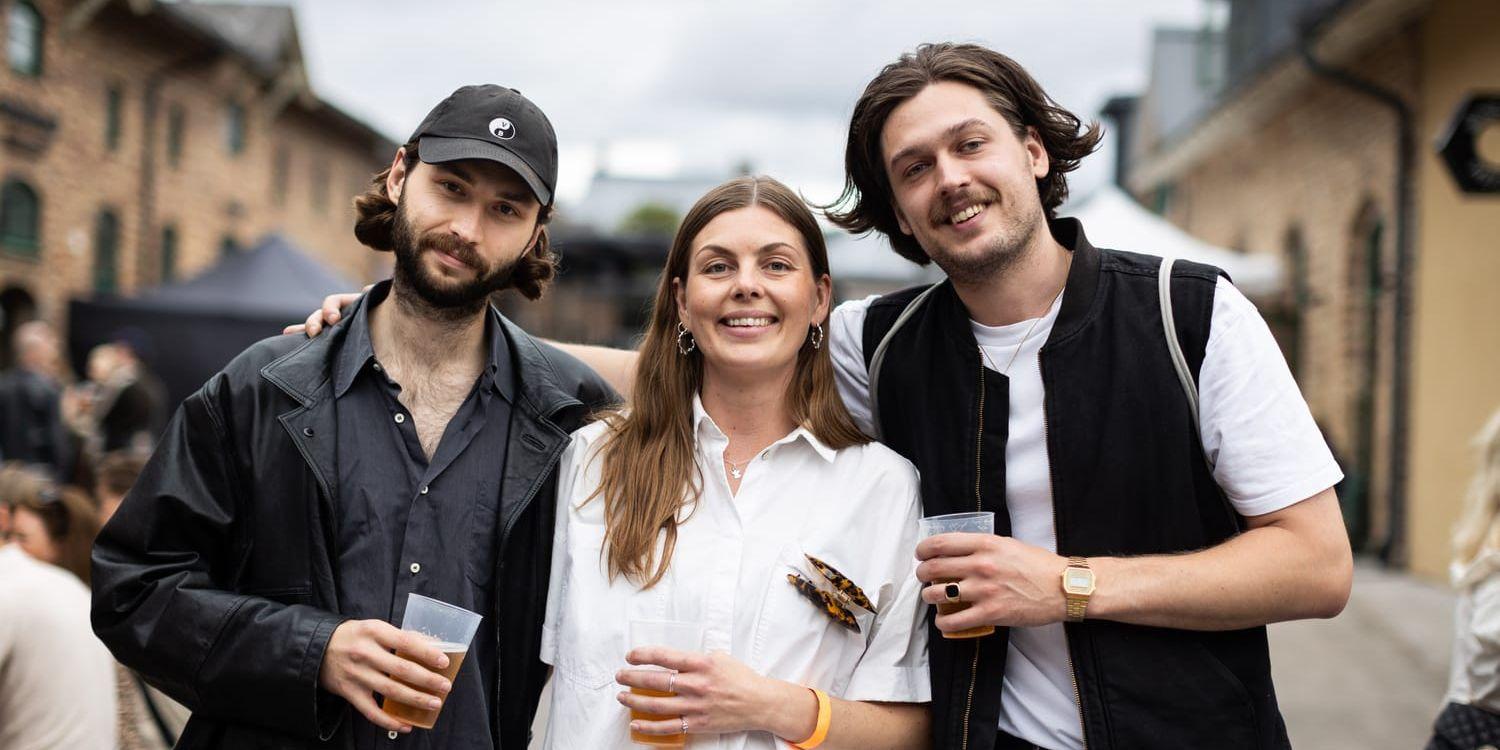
(648, 473)
(375, 224)
(867, 200)
(70, 519)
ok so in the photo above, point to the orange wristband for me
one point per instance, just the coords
(825, 717)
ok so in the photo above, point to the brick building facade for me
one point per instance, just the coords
(1289, 161)
(141, 140)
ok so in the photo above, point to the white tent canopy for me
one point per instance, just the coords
(1113, 219)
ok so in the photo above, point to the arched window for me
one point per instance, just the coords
(23, 38)
(20, 219)
(106, 250)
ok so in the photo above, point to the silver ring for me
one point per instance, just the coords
(950, 592)
(684, 725)
(672, 680)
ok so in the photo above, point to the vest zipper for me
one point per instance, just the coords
(1067, 648)
(978, 506)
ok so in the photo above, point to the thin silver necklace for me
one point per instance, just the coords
(737, 468)
(1029, 329)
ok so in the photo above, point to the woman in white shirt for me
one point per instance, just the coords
(734, 492)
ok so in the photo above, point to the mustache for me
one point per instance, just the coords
(447, 243)
(945, 207)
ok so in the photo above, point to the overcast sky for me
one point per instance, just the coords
(662, 87)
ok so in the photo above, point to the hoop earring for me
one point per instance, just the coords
(816, 335)
(685, 348)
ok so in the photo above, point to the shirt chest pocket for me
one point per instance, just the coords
(792, 629)
(596, 612)
(481, 537)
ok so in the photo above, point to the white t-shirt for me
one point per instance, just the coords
(855, 509)
(57, 680)
(1267, 452)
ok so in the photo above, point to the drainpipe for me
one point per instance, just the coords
(1393, 549)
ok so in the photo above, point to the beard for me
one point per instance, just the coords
(1000, 251)
(415, 285)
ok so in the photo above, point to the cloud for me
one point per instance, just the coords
(770, 82)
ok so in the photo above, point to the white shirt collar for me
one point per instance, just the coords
(704, 426)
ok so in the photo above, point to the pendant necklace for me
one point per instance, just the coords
(737, 468)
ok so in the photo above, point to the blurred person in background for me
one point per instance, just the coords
(56, 525)
(31, 424)
(131, 407)
(57, 681)
(113, 477)
(1471, 717)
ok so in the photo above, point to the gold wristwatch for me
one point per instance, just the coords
(1078, 585)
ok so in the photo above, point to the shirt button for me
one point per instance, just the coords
(424, 489)
(416, 568)
(765, 456)
(393, 734)
(377, 369)
(400, 418)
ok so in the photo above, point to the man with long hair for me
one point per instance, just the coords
(1143, 541)
(255, 568)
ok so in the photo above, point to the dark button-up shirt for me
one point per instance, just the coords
(409, 525)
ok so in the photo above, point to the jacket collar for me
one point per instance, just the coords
(305, 373)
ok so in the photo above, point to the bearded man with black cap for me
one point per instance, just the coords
(301, 494)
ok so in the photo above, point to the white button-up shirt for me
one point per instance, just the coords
(855, 509)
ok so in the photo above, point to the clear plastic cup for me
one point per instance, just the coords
(674, 634)
(979, 522)
(451, 629)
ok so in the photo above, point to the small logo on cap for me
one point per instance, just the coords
(502, 128)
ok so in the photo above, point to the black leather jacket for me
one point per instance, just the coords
(215, 580)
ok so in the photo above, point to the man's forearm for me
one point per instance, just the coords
(1297, 566)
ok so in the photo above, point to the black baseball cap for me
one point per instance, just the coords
(495, 123)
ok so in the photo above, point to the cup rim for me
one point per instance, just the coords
(440, 603)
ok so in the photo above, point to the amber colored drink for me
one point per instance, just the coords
(657, 740)
(948, 608)
(426, 717)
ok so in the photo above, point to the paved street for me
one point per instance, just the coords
(1373, 677)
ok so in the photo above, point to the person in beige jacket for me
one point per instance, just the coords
(1470, 719)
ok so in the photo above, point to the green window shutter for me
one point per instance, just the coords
(168, 254)
(113, 101)
(106, 252)
(20, 219)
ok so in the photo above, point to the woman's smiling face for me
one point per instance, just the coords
(750, 296)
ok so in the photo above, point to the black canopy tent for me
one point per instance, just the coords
(189, 330)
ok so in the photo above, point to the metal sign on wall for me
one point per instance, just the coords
(1459, 146)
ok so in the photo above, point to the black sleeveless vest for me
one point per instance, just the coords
(1128, 478)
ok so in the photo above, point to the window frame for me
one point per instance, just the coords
(35, 66)
(15, 244)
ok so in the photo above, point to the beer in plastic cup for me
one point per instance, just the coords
(682, 636)
(982, 522)
(450, 629)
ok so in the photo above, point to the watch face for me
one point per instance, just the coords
(1079, 581)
